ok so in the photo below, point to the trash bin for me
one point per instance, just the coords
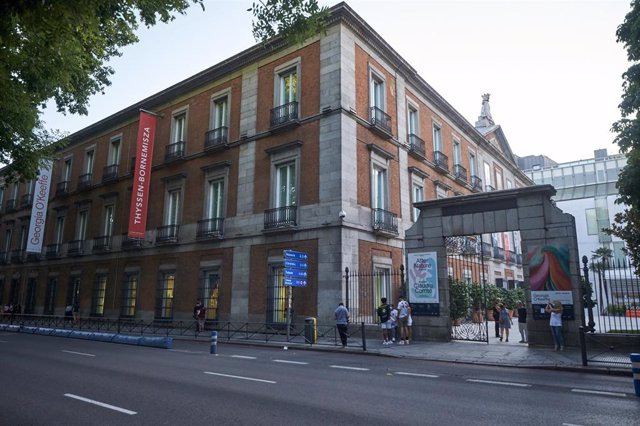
(310, 330)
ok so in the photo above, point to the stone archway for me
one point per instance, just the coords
(542, 227)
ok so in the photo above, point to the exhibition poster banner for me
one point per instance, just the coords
(39, 208)
(423, 277)
(142, 176)
(550, 278)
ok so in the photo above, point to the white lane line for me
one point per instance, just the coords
(243, 357)
(493, 382)
(240, 377)
(570, 424)
(186, 351)
(77, 353)
(286, 361)
(431, 376)
(344, 367)
(100, 404)
(595, 392)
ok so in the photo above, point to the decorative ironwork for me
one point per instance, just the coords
(129, 243)
(26, 200)
(174, 151)
(489, 188)
(416, 145)
(62, 188)
(101, 244)
(216, 137)
(84, 181)
(460, 172)
(365, 288)
(384, 221)
(281, 217)
(210, 228)
(476, 183)
(75, 248)
(284, 114)
(380, 120)
(53, 251)
(167, 234)
(441, 161)
(110, 173)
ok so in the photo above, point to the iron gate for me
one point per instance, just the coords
(467, 288)
(364, 290)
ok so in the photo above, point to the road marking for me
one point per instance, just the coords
(239, 377)
(493, 382)
(186, 351)
(243, 357)
(77, 353)
(285, 361)
(570, 424)
(623, 395)
(101, 404)
(344, 367)
(431, 376)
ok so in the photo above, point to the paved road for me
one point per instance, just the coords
(55, 381)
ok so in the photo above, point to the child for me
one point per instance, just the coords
(393, 319)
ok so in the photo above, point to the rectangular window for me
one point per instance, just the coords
(441, 192)
(437, 138)
(14, 191)
(377, 92)
(66, 172)
(114, 152)
(88, 161)
(107, 227)
(7, 241)
(592, 224)
(288, 86)
(220, 114)
(380, 189)
(412, 120)
(277, 301)
(509, 183)
(97, 299)
(164, 296)
(499, 184)
(73, 291)
(286, 185)
(381, 285)
(209, 293)
(129, 295)
(50, 296)
(472, 164)
(172, 212)
(81, 228)
(179, 127)
(457, 153)
(30, 302)
(418, 195)
(24, 234)
(59, 232)
(487, 177)
(215, 199)
(1, 196)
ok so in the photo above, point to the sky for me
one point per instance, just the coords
(553, 67)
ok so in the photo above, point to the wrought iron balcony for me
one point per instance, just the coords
(11, 205)
(441, 161)
(416, 145)
(476, 183)
(384, 221)
(216, 138)
(102, 244)
(283, 114)
(210, 228)
(460, 172)
(167, 234)
(487, 250)
(62, 188)
(281, 217)
(510, 256)
(84, 181)
(26, 200)
(18, 256)
(110, 173)
(518, 258)
(53, 251)
(174, 151)
(498, 253)
(380, 121)
(129, 243)
(489, 188)
(75, 248)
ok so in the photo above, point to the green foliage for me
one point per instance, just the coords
(616, 310)
(511, 297)
(295, 20)
(460, 299)
(627, 223)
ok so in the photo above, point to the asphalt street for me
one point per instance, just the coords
(55, 381)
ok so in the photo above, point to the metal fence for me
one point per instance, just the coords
(365, 289)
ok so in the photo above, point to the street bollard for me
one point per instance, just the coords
(214, 343)
(635, 369)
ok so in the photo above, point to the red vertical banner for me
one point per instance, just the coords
(142, 176)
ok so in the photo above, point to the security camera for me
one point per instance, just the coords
(342, 214)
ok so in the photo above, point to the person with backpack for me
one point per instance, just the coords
(384, 314)
(403, 320)
(393, 319)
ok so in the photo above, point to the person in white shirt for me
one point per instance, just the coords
(403, 320)
(555, 322)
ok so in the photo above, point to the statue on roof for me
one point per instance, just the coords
(485, 119)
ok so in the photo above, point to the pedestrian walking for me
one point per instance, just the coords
(505, 322)
(76, 312)
(393, 319)
(199, 315)
(342, 323)
(384, 313)
(403, 320)
(68, 313)
(555, 322)
(522, 322)
(496, 317)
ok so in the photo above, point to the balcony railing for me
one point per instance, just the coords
(281, 217)
(18, 256)
(284, 114)
(216, 138)
(62, 188)
(129, 243)
(486, 250)
(26, 200)
(416, 145)
(174, 151)
(380, 120)
(489, 188)
(498, 253)
(4, 257)
(460, 172)
(441, 161)
(11, 205)
(53, 251)
(84, 181)
(384, 221)
(210, 228)
(510, 256)
(518, 258)
(110, 173)
(167, 234)
(75, 248)
(101, 244)
(476, 183)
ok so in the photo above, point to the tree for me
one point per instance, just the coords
(59, 50)
(627, 223)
